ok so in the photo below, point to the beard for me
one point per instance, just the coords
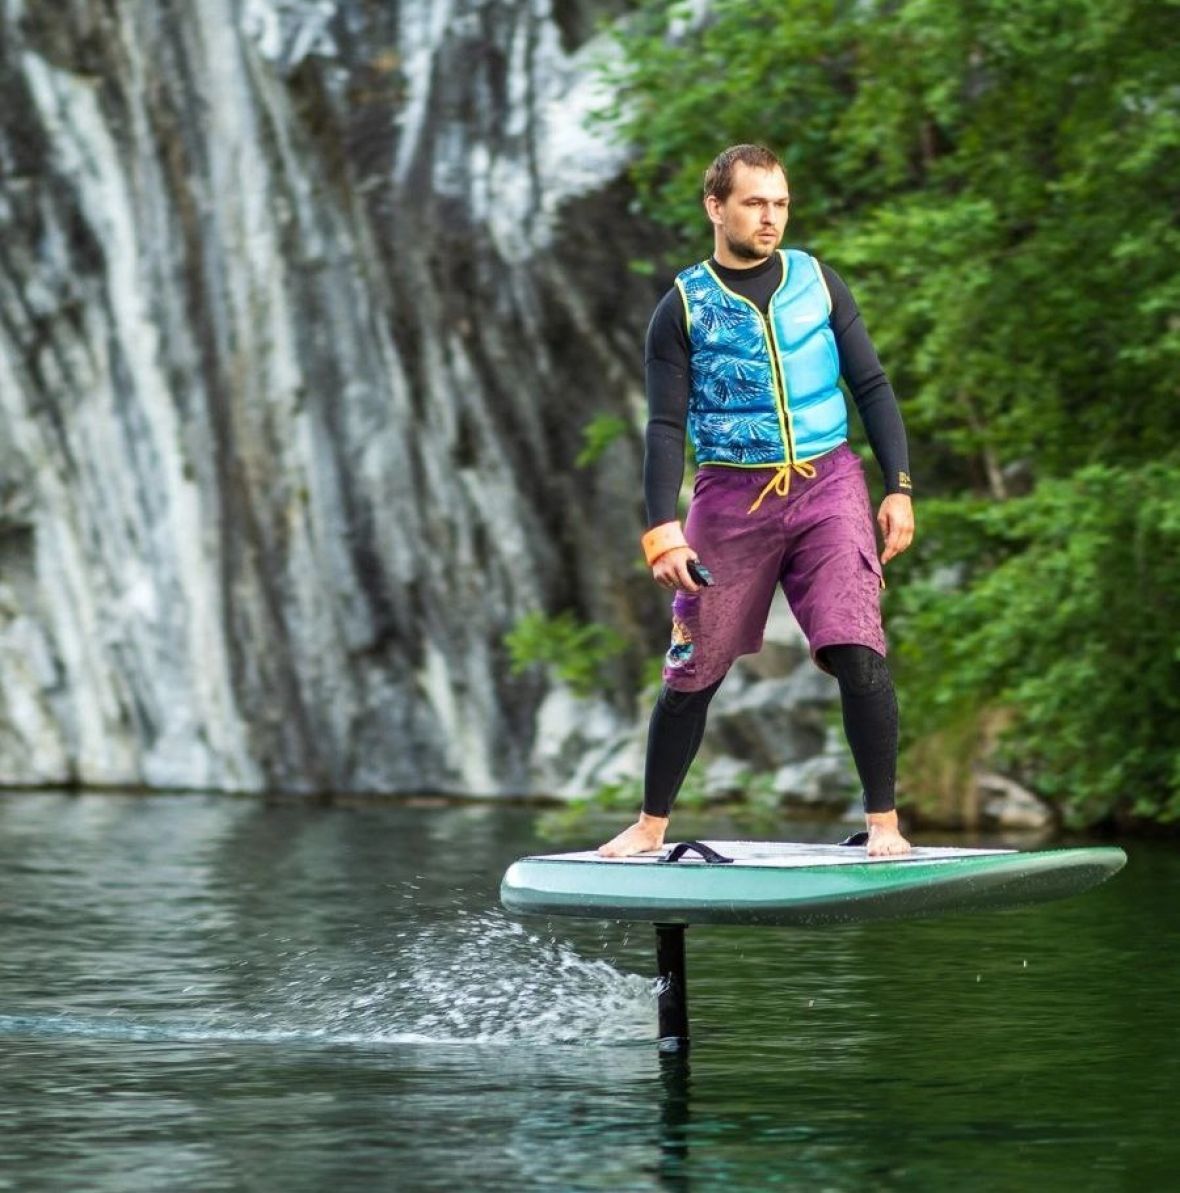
(752, 248)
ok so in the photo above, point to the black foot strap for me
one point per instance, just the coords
(861, 838)
(709, 854)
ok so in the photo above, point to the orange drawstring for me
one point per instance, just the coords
(781, 481)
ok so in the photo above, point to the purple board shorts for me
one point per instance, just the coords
(819, 543)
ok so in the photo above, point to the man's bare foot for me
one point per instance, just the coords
(885, 837)
(885, 841)
(645, 834)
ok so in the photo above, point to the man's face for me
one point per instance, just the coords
(753, 217)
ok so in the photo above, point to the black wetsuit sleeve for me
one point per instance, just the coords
(667, 378)
(871, 392)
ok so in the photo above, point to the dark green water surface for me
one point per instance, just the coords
(203, 993)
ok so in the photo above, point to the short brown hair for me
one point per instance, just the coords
(719, 175)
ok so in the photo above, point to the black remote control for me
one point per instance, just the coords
(700, 573)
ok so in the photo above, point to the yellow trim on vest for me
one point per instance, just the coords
(772, 463)
(819, 273)
(778, 369)
(684, 303)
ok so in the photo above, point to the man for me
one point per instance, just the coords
(746, 351)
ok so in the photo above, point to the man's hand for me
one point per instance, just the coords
(896, 519)
(671, 569)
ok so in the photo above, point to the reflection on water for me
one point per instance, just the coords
(209, 993)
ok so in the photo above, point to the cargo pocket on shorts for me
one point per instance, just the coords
(681, 658)
(874, 565)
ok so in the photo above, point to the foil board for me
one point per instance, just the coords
(773, 882)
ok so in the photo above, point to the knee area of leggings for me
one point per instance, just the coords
(859, 670)
(678, 704)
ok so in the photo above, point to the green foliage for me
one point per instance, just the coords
(597, 435)
(574, 651)
(998, 179)
(1065, 614)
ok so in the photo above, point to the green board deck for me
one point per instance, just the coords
(772, 882)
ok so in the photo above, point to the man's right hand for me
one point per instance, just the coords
(671, 569)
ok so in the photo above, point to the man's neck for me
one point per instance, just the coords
(747, 269)
(729, 260)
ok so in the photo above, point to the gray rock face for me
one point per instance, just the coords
(825, 782)
(727, 778)
(1004, 803)
(303, 306)
(772, 722)
(582, 744)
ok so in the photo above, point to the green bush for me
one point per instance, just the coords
(573, 651)
(597, 435)
(1065, 613)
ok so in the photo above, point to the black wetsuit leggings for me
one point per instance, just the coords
(868, 702)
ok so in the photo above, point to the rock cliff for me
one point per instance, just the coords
(303, 307)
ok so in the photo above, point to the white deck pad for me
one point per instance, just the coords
(780, 854)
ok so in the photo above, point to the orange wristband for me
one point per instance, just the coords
(661, 539)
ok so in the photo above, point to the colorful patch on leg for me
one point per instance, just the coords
(680, 652)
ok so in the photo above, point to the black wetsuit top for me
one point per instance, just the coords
(667, 369)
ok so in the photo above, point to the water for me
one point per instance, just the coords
(203, 993)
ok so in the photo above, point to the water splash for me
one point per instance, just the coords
(481, 979)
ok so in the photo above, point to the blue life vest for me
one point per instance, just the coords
(764, 390)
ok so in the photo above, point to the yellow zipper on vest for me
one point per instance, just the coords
(780, 385)
(780, 382)
(780, 483)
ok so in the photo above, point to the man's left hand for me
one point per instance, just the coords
(896, 519)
